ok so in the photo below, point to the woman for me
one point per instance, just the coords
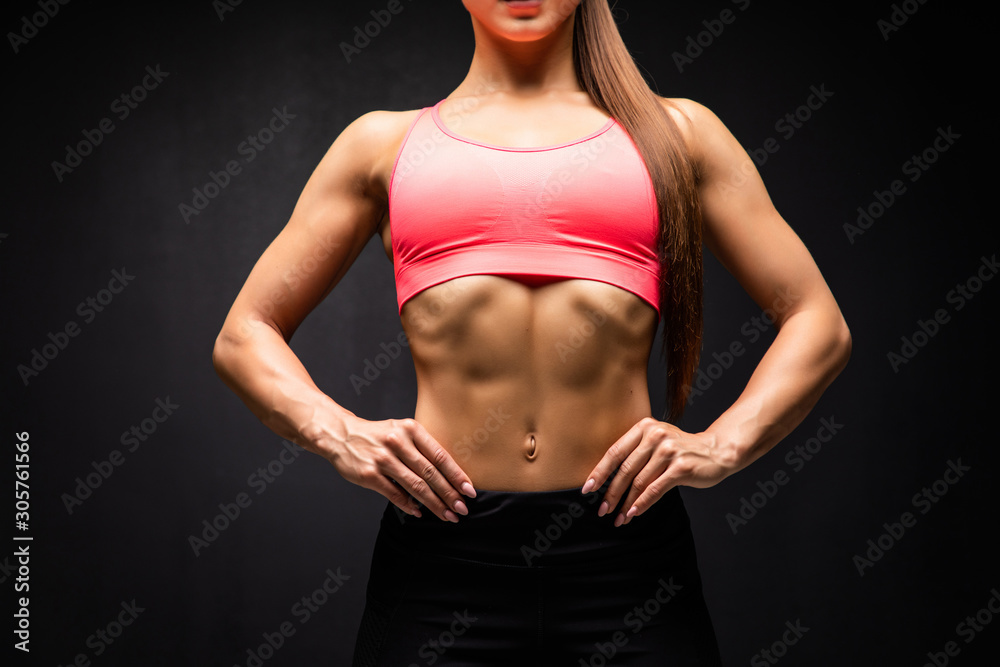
(541, 219)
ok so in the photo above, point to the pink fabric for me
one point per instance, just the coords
(583, 209)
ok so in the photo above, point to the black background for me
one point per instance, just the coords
(793, 561)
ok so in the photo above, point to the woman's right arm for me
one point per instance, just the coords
(336, 214)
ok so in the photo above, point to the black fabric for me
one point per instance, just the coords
(536, 578)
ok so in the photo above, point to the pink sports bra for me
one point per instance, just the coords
(581, 209)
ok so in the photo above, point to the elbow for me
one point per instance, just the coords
(222, 354)
(843, 345)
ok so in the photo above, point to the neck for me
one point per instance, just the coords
(521, 68)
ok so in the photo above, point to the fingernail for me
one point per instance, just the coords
(631, 512)
(603, 508)
(619, 520)
(468, 490)
(588, 486)
(450, 516)
(415, 512)
(460, 507)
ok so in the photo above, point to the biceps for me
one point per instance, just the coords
(753, 242)
(328, 229)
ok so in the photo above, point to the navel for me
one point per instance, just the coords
(531, 450)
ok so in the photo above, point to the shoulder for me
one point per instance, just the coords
(377, 131)
(382, 125)
(701, 128)
(368, 145)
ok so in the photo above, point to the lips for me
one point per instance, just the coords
(523, 5)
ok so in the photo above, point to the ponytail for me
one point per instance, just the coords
(607, 72)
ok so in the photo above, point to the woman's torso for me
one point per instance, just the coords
(526, 382)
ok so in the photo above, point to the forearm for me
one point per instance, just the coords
(810, 350)
(260, 367)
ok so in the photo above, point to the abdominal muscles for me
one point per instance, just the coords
(528, 386)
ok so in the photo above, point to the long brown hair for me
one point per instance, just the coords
(607, 72)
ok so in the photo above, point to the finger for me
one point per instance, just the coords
(653, 492)
(639, 470)
(449, 478)
(420, 475)
(444, 461)
(671, 465)
(613, 458)
(630, 469)
(410, 501)
(420, 490)
(396, 495)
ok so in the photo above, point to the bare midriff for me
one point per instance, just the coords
(528, 385)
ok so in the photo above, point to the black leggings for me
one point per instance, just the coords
(536, 578)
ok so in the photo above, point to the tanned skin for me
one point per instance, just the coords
(508, 397)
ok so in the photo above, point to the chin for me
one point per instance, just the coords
(521, 20)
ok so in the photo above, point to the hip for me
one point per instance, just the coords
(539, 529)
(536, 578)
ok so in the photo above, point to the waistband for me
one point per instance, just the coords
(537, 529)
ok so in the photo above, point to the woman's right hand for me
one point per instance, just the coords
(401, 460)
(337, 214)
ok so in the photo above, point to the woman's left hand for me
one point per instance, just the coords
(654, 457)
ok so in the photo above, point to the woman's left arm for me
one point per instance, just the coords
(744, 231)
